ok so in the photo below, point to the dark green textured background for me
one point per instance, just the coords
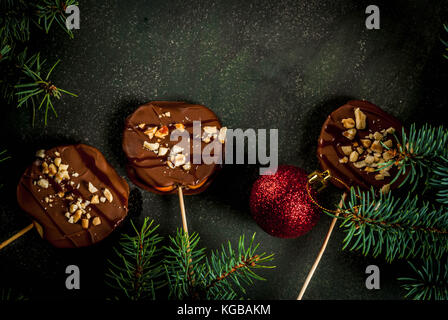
(256, 64)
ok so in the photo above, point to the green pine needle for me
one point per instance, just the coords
(138, 271)
(50, 11)
(22, 80)
(7, 295)
(430, 281)
(394, 226)
(39, 89)
(184, 266)
(193, 276)
(424, 159)
(445, 43)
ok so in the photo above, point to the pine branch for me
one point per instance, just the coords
(4, 52)
(421, 151)
(230, 269)
(399, 228)
(429, 283)
(7, 295)
(40, 88)
(3, 157)
(21, 78)
(183, 266)
(50, 11)
(138, 274)
(445, 43)
(15, 21)
(19, 15)
(192, 276)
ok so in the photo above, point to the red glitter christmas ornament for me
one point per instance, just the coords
(281, 205)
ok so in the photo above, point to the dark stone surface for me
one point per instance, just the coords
(263, 64)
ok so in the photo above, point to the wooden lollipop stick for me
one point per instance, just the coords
(182, 210)
(322, 249)
(17, 235)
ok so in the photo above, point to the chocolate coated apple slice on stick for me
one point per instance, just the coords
(161, 141)
(356, 142)
(74, 197)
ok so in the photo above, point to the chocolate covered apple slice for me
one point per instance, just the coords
(356, 142)
(156, 161)
(73, 195)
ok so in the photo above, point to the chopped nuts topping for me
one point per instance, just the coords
(371, 150)
(92, 188)
(222, 135)
(390, 130)
(360, 118)
(43, 183)
(57, 161)
(150, 146)
(45, 168)
(40, 153)
(349, 134)
(63, 167)
(388, 143)
(366, 143)
(77, 215)
(377, 147)
(150, 132)
(180, 126)
(360, 164)
(176, 149)
(343, 160)
(348, 123)
(85, 223)
(385, 189)
(108, 195)
(210, 130)
(187, 166)
(95, 199)
(354, 156)
(52, 170)
(141, 125)
(178, 159)
(96, 221)
(162, 132)
(347, 150)
(360, 150)
(170, 164)
(163, 151)
(378, 136)
(73, 207)
(370, 159)
(388, 155)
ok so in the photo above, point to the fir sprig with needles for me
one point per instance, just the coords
(394, 226)
(25, 78)
(8, 295)
(429, 282)
(38, 88)
(138, 272)
(445, 43)
(183, 266)
(3, 157)
(222, 276)
(412, 222)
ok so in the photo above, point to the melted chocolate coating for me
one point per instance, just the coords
(331, 139)
(150, 171)
(86, 164)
